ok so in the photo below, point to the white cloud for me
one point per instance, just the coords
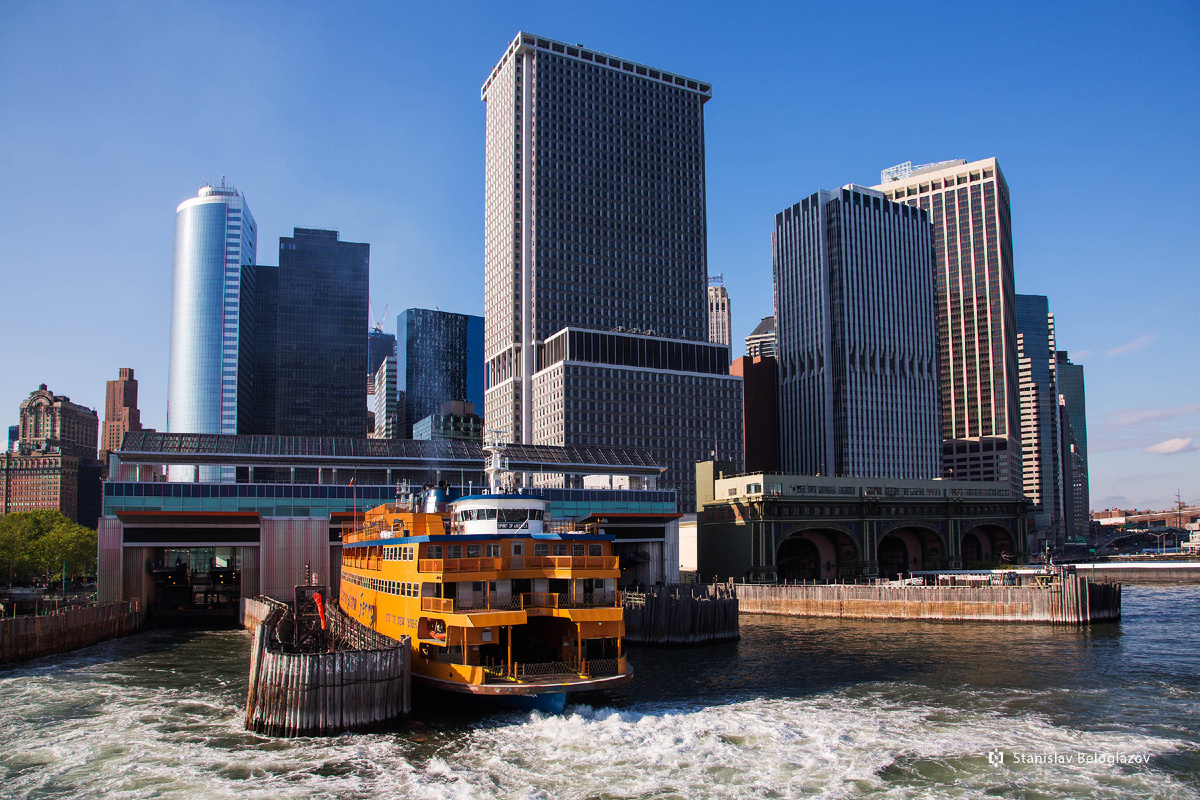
(1130, 347)
(1173, 446)
(1080, 355)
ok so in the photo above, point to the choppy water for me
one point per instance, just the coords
(796, 708)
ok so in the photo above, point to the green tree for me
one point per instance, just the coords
(20, 548)
(67, 548)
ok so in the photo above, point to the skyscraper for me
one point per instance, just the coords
(387, 418)
(209, 384)
(322, 350)
(380, 345)
(595, 260)
(856, 320)
(438, 359)
(761, 341)
(121, 412)
(1071, 391)
(1041, 444)
(720, 317)
(977, 339)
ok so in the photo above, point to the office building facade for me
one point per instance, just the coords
(720, 313)
(595, 236)
(380, 345)
(439, 358)
(1074, 405)
(52, 464)
(1041, 440)
(387, 417)
(323, 284)
(121, 412)
(760, 411)
(968, 204)
(209, 379)
(761, 341)
(856, 328)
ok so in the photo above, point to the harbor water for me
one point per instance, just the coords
(796, 708)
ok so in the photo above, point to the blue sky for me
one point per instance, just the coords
(366, 117)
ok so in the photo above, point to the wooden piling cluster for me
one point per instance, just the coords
(682, 614)
(302, 694)
(1068, 599)
(22, 638)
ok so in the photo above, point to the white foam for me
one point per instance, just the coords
(94, 730)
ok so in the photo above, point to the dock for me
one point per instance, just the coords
(682, 614)
(23, 638)
(1062, 598)
(353, 678)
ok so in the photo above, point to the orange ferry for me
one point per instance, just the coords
(496, 600)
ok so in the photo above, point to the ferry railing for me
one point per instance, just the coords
(600, 667)
(443, 605)
(565, 600)
(545, 669)
(562, 562)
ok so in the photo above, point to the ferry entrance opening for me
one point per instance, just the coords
(194, 579)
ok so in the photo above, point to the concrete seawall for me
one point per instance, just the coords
(1071, 600)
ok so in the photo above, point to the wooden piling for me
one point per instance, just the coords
(356, 686)
(23, 638)
(682, 614)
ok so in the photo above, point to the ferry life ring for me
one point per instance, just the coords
(439, 629)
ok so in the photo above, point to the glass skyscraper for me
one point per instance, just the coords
(208, 386)
(439, 358)
(321, 348)
(857, 333)
(1041, 443)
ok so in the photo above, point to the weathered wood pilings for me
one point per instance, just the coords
(682, 614)
(301, 694)
(1068, 599)
(23, 638)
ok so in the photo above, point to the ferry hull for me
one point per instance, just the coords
(548, 696)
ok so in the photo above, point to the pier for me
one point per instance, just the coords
(682, 614)
(23, 638)
(300, 684)
(1064, 598)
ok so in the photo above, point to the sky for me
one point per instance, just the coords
(366, 117)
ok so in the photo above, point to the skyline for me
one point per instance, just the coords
(104, 106)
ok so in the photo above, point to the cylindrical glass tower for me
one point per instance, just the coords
(215, 238)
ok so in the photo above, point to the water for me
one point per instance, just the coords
(796, 708)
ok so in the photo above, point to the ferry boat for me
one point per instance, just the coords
(497, 600)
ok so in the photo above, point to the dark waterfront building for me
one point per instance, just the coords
(439, 358)
(595, 259)
(760, 410)
(454, 420)
(856, 326)
(968, 204)
(771, 526)
(323, 286)
(380, 345)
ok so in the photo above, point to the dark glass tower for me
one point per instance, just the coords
(439, 357)
(322, 352)
(380, 345)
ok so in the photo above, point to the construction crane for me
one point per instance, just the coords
(378, 323)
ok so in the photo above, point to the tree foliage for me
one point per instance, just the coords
(43, 544)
